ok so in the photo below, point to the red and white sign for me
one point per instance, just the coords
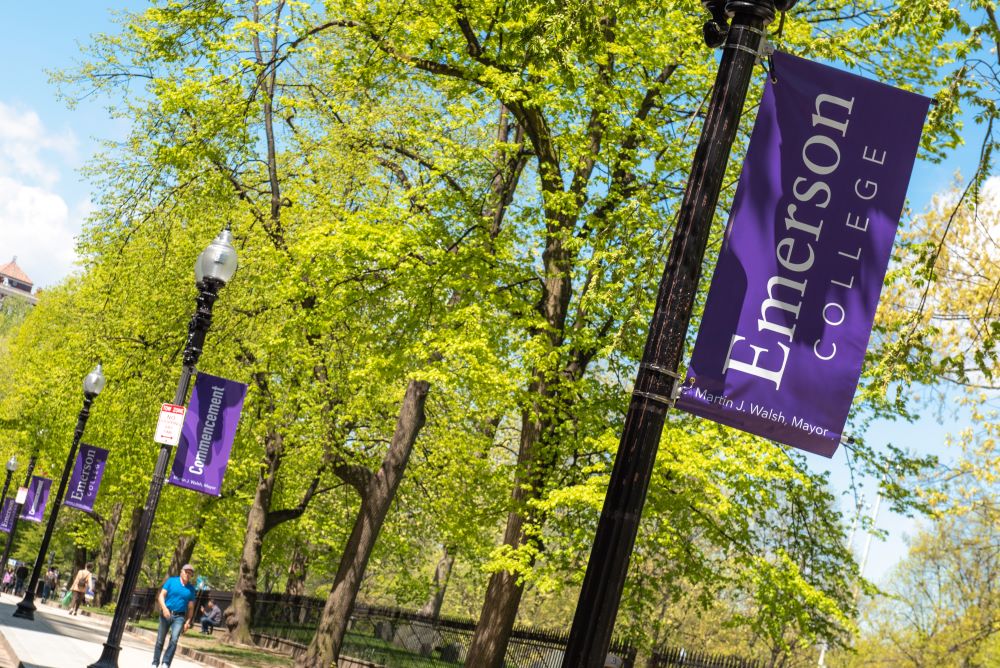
(168, 427)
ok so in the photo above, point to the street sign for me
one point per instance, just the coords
(22, 495)
(168, 427)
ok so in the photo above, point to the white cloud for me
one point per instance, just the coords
(36, 223)
(28, 150)
(36, 226)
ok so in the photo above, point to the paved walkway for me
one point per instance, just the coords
(57, 640)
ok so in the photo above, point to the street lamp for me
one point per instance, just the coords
(656, 378)
(11, 467)
(17, 506)
(93, 383)
(213, 269)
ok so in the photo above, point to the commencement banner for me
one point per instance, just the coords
(7, 515)
(208, 433)
(38, 496)
(791, 305)
(86, 478)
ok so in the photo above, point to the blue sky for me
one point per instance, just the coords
(43, 201)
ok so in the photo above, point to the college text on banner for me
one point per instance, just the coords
(208, 433)
(86, 479)
(38, 495)
(793, 298)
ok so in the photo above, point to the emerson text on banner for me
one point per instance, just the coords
(793, 298)
(86, 478)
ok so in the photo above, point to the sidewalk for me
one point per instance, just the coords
(57, 640)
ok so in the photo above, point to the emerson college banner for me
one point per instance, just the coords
(793, 298)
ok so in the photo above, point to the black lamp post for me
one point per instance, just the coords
(213, 269)
(652, 396)
(17, 510)
(93, 383)
(11, 467)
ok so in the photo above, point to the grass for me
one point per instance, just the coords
(240, 655)
(373, 649)
(359, 646)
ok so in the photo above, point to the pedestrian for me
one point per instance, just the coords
(211, 616)
(80, 584)
(8, 580)
(49, 583)
(20, 575)
(176, 603)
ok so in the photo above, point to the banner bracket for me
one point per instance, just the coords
(658, 398)
(675, 385)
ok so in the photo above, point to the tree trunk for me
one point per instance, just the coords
(325, 646)
(182, 552)
(503, 594)
(296, 583)
(102, 593)
(239, 615)
(121, 564)
(187, 541)
(432, 608)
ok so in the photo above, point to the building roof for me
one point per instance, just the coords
(11, 270)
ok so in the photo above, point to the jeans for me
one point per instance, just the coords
(46, 590)
(207, 624)
(175, 624)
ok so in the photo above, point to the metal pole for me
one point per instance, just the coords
(17, 512)
(6, 485)
(26, 607)
(197, 329)
(597, 608)
(868, 542)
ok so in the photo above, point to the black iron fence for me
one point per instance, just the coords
(400, 639)
(682, 658)
(391, 637)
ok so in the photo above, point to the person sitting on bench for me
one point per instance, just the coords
(211, 616)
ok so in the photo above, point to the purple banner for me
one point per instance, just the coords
(208, 433)
(38, 496)
(86, 478)
(7, 515)
(791, 305)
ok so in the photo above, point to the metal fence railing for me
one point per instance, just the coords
(400, 639)
(397, 638)
(682, 658)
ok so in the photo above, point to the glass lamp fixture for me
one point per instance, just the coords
(218, 260)
(93, 383)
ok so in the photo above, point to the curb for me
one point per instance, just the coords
(189, 652)
(6, 649)
(146, 634)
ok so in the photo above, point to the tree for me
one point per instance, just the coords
(468, 197)
(942, 607)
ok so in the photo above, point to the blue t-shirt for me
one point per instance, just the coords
(178, 594)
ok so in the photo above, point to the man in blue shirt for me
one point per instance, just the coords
(176, 605)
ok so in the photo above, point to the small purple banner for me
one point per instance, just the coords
(38, 496)
(791, 305)
(208, 433)
(86, 478)
(7, 515)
